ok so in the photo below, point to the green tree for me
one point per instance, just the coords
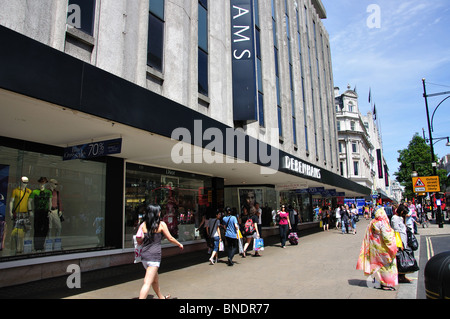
(416, 157)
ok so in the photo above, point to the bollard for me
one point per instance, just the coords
(437, 276)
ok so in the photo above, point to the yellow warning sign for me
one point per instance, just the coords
(426, 184)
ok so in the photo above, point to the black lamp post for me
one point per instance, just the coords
(439, 219)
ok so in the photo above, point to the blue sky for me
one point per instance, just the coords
(412, 42)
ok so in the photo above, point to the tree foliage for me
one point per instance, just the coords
(416, 157)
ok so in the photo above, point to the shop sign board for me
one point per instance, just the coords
(428, 184)
(243, 61)
(92, 150)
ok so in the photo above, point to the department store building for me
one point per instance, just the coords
(107, 106)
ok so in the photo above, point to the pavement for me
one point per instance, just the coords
(321, 266)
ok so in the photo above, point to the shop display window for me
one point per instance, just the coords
(239, 198)
(301, 203)
(184, 199)
(49, 206)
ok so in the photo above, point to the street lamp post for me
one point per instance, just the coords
(439, 219)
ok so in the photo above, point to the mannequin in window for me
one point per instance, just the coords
(56, 210)
(18, 211)
(2, 221)
(39, 204)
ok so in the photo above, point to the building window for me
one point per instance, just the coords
(155, 34)
(305, 115)
(277, 74)
(203, 47)
(354, 147)
(259, 66)
(352, 125)
(338, 125)
(308, 42)
(341, 168)
(86, 15)
(291, 74)
(355, 168)
(66, 199)
(350, 106)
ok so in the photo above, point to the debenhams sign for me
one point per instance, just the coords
(297, 166)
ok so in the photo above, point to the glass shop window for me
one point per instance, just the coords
(48, 205)
(184, 200)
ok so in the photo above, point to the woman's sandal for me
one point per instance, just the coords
(387, 288)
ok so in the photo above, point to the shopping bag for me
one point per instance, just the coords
(241, 246)
(258, 244)
(137, 251)
(221, 248)
(398, 240)
(406, 263)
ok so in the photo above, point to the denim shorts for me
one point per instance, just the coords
(150, 264)
(216, 243)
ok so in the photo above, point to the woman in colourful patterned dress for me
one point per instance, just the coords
(378, 251)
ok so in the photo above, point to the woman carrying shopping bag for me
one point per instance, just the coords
(213, 230)
(231, 233)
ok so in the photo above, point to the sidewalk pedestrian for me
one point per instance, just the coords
(344, 219)
(231, 233)
(149, 235)
(325, 218)
(283, 225)
(398, 225)
(377, 256)
(249, 230)
(413, 210)
(353, 217)
(213, 230)
(338, 217)
(366, 211)
(293, 217)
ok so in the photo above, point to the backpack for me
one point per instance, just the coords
(249, 227)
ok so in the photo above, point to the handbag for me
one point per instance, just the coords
(406, 263)
(137, 251)
(221, 248)
(412, 240)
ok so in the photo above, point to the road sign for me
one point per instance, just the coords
(426, 184)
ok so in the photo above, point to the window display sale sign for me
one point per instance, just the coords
(94, 149)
